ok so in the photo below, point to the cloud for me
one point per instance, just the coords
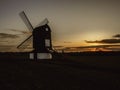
(5, 48)
(58, 46)
(115, 39)
(8, 39)
(5, 35)
(98, 46)
(20, 31)
(67, 42)
(117, 36)
(105, 41)
(107, 47)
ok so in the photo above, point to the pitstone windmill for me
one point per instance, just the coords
(42, 44)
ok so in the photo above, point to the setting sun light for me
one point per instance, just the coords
(95, 35)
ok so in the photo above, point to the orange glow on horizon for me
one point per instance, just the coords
(99, 49)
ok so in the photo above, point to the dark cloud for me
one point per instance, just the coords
(108, 47)
(8, 48)
(117, 36)
(67, 42)
(105, 41)
(5, 35)
(58, 46)
(21, 31)
(97, 46)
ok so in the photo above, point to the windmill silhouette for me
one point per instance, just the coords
(42, 45)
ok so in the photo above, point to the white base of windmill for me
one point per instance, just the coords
(40, 55)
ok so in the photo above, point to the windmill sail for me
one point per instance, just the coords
(26, 20)
(45, 21)
(25, 42)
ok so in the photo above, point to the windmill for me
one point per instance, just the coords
(41, 35)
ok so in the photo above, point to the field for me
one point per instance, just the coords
(72, 71)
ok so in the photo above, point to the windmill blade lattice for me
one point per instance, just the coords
(25, 43)
(26, 20)
(45, 21)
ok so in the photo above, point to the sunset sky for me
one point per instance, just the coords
(74, 23)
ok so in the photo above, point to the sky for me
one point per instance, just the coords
(74, 23)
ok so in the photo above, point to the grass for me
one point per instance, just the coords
(65, 72)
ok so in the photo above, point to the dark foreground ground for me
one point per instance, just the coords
(64, 72)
